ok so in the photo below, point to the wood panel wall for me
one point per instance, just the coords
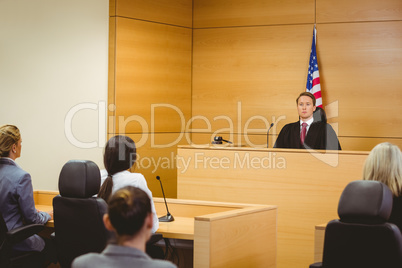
(231, 68)
(256, 53)
(150, 82)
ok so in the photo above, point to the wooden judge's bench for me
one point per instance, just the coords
(304, 185)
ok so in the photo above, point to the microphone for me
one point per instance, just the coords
(168, 217)
(268, 132)
(219, 140)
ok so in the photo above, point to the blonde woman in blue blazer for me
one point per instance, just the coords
(16, 194)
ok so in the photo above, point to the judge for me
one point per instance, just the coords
(308, 132)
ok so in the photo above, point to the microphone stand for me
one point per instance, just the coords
(268, 133)
(169, 217)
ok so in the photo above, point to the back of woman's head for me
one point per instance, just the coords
(120, 154)
(9, 135)
(128, 208)
(384, 164)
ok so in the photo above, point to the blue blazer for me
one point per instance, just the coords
(17, 204)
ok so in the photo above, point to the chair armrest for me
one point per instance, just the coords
(316, 265)
(21, 233)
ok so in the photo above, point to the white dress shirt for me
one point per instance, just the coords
(126, 178)
(309, 122)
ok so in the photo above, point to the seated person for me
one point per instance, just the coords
(130, 217)
(307, 133)
(120, 155)
(384, 164)
(16, 194)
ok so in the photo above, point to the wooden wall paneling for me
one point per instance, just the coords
(252, 72)
(238, 140)
(153, 67)
(212, 13)
(111, 74)
(260, 140)
(358, 10)
(252, 133)
(156, 156)
(112, 7)
(366, 143)
(360, 68)
(175, 12)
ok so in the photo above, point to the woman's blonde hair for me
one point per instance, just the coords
(384, 164)
(9, 135)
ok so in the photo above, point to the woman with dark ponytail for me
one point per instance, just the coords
(120, 155)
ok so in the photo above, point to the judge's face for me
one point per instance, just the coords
(305, 108)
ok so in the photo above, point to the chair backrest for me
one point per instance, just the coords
(78, 216)
(362, 237)
(319, 115)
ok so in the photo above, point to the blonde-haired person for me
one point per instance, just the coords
(384, 164)
(130, 217)
(16, 194)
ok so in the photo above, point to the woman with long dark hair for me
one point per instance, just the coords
(120, 155)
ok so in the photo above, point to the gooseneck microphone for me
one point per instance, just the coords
(169, 217)
(268, 133)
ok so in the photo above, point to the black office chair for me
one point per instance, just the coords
(78, 216)
(362, 237)
(10, 258)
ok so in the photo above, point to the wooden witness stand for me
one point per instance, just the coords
(224, 234)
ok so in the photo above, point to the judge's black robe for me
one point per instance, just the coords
(320, 136)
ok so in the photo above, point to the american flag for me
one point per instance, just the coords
(313, 76)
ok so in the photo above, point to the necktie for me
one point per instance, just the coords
(303, 133)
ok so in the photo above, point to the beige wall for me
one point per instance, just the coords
(236, 66)
(53, 58)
